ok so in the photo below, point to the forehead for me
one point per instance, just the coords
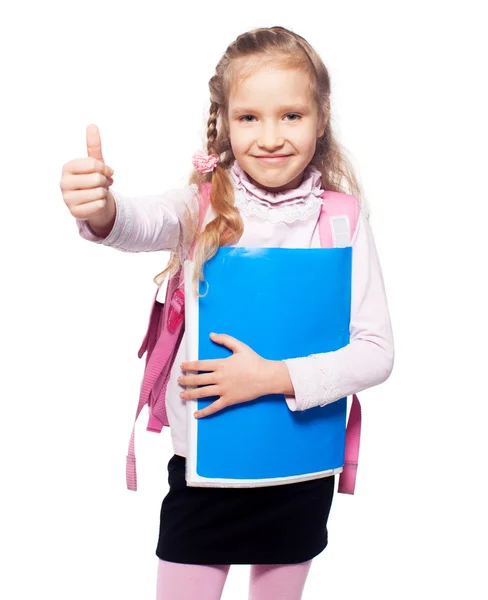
(269, 82)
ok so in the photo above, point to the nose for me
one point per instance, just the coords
(270, 138)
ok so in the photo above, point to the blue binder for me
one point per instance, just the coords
(283, 303)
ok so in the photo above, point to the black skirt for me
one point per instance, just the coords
(281, 524)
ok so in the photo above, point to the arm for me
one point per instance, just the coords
(147, 223)
(320, 379)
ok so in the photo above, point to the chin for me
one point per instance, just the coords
(274, 179)
(274, 176)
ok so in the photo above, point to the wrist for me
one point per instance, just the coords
(103, 223)
(278, 379)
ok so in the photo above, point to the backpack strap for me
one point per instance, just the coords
(347, 479)
(165, 327)
(338, 219)
(337, 223)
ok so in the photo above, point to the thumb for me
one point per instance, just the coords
(227, 340)
(94, 143)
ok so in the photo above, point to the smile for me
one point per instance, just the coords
(273, 160)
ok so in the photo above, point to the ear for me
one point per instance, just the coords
(321, 127)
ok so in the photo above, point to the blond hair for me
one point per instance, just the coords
(273, 44)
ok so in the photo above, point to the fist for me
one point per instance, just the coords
(85, 182)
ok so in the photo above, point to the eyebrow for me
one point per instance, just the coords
(302, 108)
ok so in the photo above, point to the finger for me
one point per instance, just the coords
(226, 340)
(86, 203)
(86, 165)
(76, 197)
(201, 365)
(85, 181)
(94, 142)
(88, 210)
(194, 380)
(211, 409)
(202, 392)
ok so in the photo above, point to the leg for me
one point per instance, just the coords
(280, 582)
(177, 581)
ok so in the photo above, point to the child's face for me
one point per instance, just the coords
(272, 112)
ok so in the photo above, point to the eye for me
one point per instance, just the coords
(294, 115)
(244, 118)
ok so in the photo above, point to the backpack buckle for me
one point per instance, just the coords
(176, 310)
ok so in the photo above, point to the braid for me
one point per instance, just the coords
(174, 261)
(227, 226)
(212, 127)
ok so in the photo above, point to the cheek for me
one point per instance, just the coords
(307, 138)
(240, 139)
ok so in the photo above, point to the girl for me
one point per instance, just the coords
(270, 153)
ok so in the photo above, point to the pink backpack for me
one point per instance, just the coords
(337, 222)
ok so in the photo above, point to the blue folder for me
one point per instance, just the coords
(283, 303)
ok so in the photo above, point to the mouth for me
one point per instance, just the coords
(273, 159)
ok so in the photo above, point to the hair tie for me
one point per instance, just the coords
(204, 163)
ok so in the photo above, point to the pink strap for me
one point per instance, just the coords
(151, 331)
(335, 204)
(152, 371)
(347, 479)
(160, 354)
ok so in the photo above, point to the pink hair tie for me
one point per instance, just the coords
(204, 163)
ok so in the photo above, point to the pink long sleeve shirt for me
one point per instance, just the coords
(286, 219)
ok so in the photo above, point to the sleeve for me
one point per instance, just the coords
(367, 360)
(147, 223)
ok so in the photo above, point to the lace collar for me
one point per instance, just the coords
(300, 203)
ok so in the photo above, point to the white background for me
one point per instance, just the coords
(409, 105)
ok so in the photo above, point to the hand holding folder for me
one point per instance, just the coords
(242, 377)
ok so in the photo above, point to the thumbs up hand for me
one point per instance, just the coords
(85, 184)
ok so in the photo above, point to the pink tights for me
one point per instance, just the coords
(177, 581)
